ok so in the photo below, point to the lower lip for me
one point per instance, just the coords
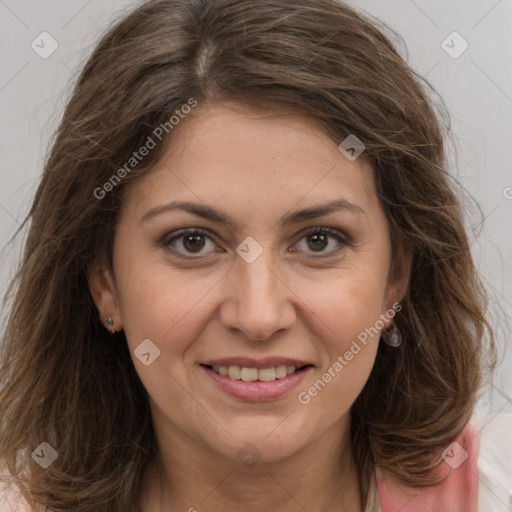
(257, 391)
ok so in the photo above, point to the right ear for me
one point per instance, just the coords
(400, 273)
(104, 294)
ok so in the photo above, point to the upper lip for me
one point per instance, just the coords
(249, 362)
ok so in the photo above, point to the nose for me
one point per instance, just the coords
(258, 300)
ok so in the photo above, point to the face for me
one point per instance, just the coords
(265, 289)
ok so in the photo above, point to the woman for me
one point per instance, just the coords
(247, 283)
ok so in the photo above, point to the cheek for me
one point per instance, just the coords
(171, 309)
(347, 303)
(163, 304)
(346, 311)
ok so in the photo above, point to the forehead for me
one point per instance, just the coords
(253, 162)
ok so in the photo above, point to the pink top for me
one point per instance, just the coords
(459, 493)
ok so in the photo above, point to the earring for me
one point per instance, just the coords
(110, 323)
(393, 338)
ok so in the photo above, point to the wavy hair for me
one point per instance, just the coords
(66, 382)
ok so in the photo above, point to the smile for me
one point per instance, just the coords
(256, 384)
(254, 374)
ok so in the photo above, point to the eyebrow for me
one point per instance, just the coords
(209, 213)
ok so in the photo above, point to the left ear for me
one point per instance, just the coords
(103, 291)
(399, 273)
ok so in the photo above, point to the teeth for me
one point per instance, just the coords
(248, 374)
(281, 372)
(254, 374)
(267, 374)
(234, 372)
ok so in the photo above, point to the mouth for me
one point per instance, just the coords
(257, 383)
(251, 374)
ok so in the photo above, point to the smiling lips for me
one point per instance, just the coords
(253, 374)
(250, 370)
(256, 380)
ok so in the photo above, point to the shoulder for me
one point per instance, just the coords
(11, 498)
(495, 462)
(480, 476)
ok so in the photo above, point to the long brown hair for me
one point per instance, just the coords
(67, 382)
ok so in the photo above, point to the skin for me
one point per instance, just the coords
(297, 299)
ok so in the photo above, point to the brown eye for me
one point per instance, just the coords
(318, 242)
(318, 239)
(188, 242)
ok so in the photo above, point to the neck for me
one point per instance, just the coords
(321, 477)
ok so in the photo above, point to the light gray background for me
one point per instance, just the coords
(477, 88)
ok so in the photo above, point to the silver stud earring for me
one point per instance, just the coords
(393, 338)
(110, 323)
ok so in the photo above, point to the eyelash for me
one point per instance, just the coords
(168, 239)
